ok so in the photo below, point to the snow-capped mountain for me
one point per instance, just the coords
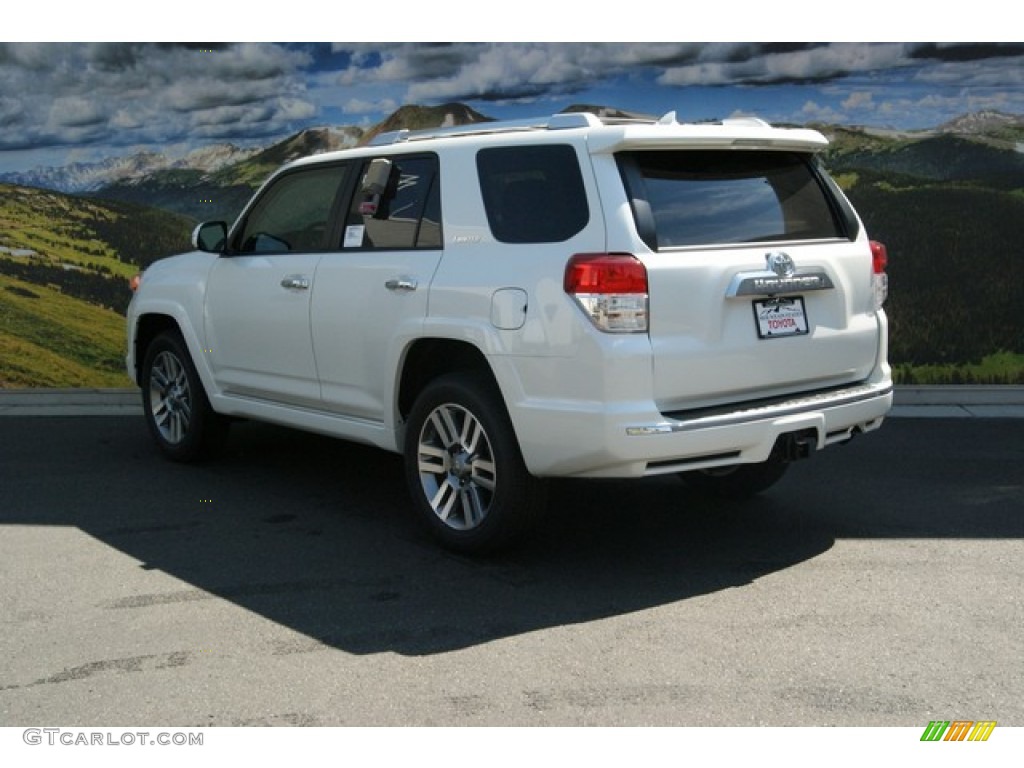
(88, 177)
(135, 168)
(982, 123)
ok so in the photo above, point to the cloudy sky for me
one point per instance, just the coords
(65, 102)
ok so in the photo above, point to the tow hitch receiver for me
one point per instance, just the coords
(794, 446)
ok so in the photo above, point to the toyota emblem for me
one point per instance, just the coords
(781, 264)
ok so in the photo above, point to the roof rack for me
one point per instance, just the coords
(559, 121)
(748, 120)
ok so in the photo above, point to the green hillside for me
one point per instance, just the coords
(107, 236)
(64, 268)
(982, 160)
(189, 194)
(49, 339)
(956, 286)
(949, 205)
(956, 276)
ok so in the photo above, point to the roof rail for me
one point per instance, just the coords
(558, 121)
(747, 120)
(388, 137)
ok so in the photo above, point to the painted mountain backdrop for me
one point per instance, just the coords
(948, 202)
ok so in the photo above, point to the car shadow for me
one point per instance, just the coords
(315, 533)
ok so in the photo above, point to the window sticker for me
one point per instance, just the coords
(354, 235)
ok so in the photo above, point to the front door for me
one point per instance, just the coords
(259, 341)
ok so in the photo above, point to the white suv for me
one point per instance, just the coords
(508, 302)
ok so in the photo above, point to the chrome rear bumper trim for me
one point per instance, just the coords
(724, 416)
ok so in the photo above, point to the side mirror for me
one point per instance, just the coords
(373, 185)
(375, 180)
(210, 236)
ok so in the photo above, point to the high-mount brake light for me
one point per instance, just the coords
(879, 279)
(611, 288)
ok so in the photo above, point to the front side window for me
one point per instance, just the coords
(533, 194)
(293, 213)
(739, 196)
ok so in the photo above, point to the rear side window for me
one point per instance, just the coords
(686, 198)
(532, 194)
(405, 214)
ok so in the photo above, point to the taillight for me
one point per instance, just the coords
(879, 279)
(135, 282)
(879, 256)
(611, 288)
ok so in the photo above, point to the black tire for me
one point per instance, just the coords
(464, 470)
(175, 405)
(740, 481)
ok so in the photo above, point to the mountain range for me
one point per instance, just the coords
(227, 164)
(948, 202)
(985, 146)
(76, 178)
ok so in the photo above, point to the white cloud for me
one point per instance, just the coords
(127, 120)
(132, 92)
(991, 73)
(757, 64)
(503, 70)
(863, 100)
(814, 112)
(75, 112)
(361, 106)
(122, 94)
(11, 110)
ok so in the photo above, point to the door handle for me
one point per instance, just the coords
(401, 284)
(296, 282)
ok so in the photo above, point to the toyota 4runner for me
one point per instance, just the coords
(503, 303)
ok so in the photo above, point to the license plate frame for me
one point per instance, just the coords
(780, 317)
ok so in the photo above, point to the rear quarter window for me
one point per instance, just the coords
(688, 198)
(532, 194)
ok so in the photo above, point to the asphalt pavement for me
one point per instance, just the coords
(286, 583)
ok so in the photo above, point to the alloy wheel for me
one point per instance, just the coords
(456, 467)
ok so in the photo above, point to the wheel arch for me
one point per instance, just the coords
(147, 328)
(175, 404)
(428, 358)
(159, 319)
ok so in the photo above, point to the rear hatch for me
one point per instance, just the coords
(760, 276)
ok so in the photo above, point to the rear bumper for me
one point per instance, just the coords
(775, 408)
(587, 443)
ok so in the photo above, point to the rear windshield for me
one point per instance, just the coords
(686, 198)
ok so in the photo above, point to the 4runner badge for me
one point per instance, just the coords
(780, 276)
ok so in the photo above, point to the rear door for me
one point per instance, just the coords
(371, 292)
(760, 276)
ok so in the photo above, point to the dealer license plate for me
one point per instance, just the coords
(780, 317)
